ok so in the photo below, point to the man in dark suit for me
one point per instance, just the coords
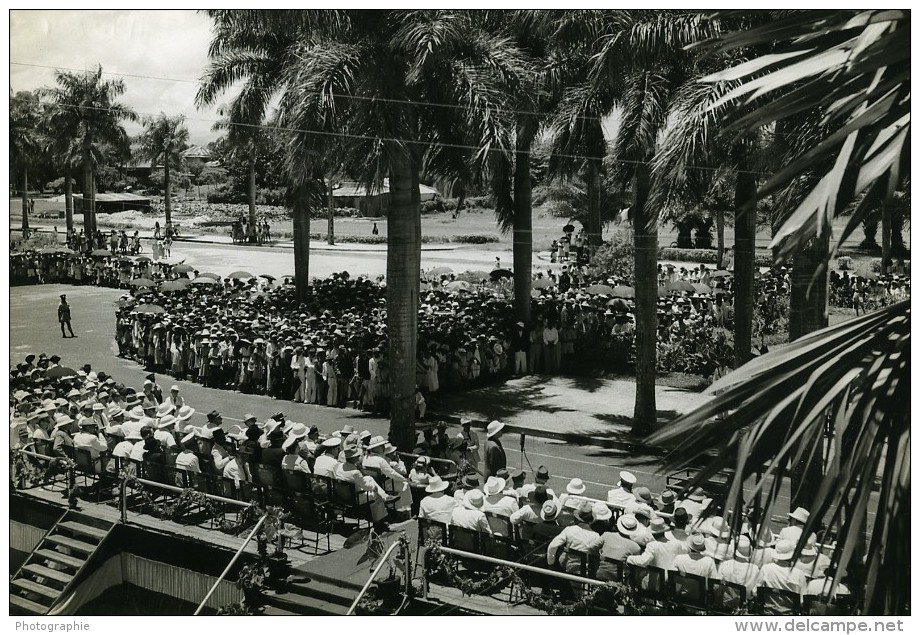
(495, 453)
(273, 455)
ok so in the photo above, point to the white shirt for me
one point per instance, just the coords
(620, 497)
(188, 461)
(123, 449)
(437, 507)
(470, 519)
(504, 506)
(295, 462)
(137, 452)
(696, 564)
(165, 437)
(743, 573)
(92, 442)
(324, 465)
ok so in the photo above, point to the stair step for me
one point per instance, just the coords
(47, 572)
(28, 605)
(92, 521)
(306, 594)
(71, 543)
(35, 587)
(57, 556)
(84, 530)
(277, 612)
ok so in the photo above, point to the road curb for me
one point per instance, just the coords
(635, 447)
(343, 248)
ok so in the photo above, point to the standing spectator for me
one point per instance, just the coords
(495, 452)
(64, 316)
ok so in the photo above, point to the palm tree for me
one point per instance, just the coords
(163, 141)
(90, 103)
(374, 81)
(854, 68)
(25, 143)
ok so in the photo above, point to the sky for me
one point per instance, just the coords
(157, 44)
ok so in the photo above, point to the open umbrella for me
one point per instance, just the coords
(142, 291)
(679, 286)
(60, 371)
(63, 250)
(599, 289)
(172, 285)
(701, 288)
(241, 275)
(267, 277)
(662, 292)
(721, 273)
(622, 291)
(125, 302)
(212, 276)
(440, 271)
(183, 268)
(498, 274)
(543, 283)
(47, 250)
(150, 308)
(204, 280)
(143, 258)
(568, 229)
(142, 282)
(459, 285)
(101, 252)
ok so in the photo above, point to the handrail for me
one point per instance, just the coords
(525, 567)
(173, 488)
(383, 561)
(236, 557)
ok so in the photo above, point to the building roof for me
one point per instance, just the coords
(197, 152)
(354, 189)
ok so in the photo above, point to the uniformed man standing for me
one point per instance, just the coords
(64, 316)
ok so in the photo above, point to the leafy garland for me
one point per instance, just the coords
(176, 509)
(30, 474)
(612, 594)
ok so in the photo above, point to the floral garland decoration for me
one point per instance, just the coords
(29, 474)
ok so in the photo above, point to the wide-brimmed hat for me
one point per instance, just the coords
(214, 415)
(494, 428)
(811, 546)
(542, 474)
(494, 485)
(666, 498)
(473, 499)
(800, 514)
(550, 510)
(783, 550)
(290, 441)
(470, 481)
(697, 495)
(697, 543)
(185, 413)
(347, 429)
(136, 413)
(643, 495)
(658, 526)
(436, 484)
(600, 511)
(166, 421)
(627, 525)
(376, 442)
(133, 434)
(298, 431)
(743, 549)
(576, 486)
(457, 442)
(113, 431)
(422, 461)
(61, 420)
(250, 418)
(164, 409)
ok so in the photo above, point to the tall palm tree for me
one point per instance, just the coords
(58, 124)
(25, 143)
(90, 103)
(163, 141)
(853, 66)
(377, 81)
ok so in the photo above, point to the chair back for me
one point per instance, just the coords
(725, 598)
(499, 524)
(345, 492)
(84, 460)
(43, 446)
(431, 529)
(611, 570)
(267, 475)
(779, 601)
(577, 559)
(649, 582)
(687, 589)
(296, 481)
(463, 539)
(497, 546)
(823, 605)
(322, 488)
(176, 476)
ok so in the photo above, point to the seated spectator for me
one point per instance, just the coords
(367, 489)
(578, 537)
(738, 568)
(547, 528)
(497, 500)
(660, 552)
(696, 561)
(376, 460)
(780, 574)
(292, 460)
(421, 473)
(823, 586)
(437, 505)
(618, 545)
(797, 520)
(469, 513)
(602, 517)
(187, 459)
(326, 462)
(694, 503)
(530, 513)
(622, 494)
(811, 561)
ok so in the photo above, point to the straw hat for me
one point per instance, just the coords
(783, 550)
(576, 486)
(494, 485)
(164, 409)
(600, 511)
(436, 484)
(494, 428)
(698, 543)
(473, 499)
(166, 421)
(628, 477)
(376, 442)
(800, 514)
(550, 510)
(627, 525)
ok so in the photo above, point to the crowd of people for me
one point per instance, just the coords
(56, 411)
(251, 334)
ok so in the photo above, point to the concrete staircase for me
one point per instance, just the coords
(316, 595)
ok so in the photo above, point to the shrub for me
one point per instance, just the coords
(474, 239)
(435, 205)
(225, 194)
(559, 209)
(481, 201)
(269, 196)
(616, 256)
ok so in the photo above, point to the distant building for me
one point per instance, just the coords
(373, 202)
(197, 155)
(111, 203)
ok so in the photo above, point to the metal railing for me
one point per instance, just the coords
(376, 571)
(226, 570)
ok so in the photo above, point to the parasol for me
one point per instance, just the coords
(183, 268)
(60, 371)
(498, 274)
(150, 308)
(543, 283)
(142, 282)
(101, 252)
(701, 288)
(267, 277)
(439, 271)
(459, 285)
(599, 289)
(622, 291)
(721, 273)
(172, 285)
(143, 258)
(212, 276)
(204, 280)
(240, 275)
(680, 286)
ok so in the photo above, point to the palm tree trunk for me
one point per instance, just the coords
(404, 243)
(645, 240)
(522, 247)
(89, 201)
(168, 190)
(808, 313)
(745, 231)
(720, 236)
(886, 238)
(68, 199)
(300, 204)
(25, 203)
(593, 187)
(330, 224)
(252, 191)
